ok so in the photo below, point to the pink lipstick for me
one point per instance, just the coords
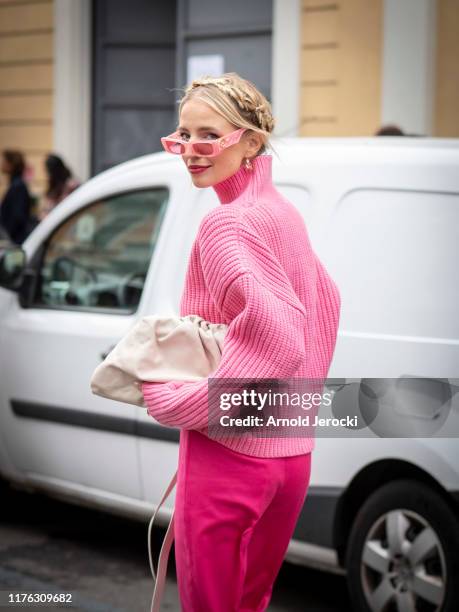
(197, 169)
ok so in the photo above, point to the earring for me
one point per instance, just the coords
(248, 164)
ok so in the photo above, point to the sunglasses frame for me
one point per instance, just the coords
(218, 145)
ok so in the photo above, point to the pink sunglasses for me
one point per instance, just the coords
(203, 148)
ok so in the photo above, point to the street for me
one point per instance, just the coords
(102, 560)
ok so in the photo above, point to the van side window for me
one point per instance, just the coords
(99, 257)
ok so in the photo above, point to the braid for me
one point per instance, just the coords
(264, 117)
(251, 103)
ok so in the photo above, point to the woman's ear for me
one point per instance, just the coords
(254, 142)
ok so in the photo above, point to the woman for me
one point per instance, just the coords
(15, 217)
(239, 493)
(60, 184)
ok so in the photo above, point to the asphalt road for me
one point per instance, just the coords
(102, 560)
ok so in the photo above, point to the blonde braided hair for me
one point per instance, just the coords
(237, 100)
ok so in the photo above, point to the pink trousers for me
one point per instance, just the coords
(234, 517)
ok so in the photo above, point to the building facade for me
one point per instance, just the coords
(97, 81)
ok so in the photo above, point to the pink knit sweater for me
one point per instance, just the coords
(252, 267)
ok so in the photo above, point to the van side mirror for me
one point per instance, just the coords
(12, 264)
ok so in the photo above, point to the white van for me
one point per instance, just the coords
(383, 216)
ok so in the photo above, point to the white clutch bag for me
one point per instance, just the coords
(159, 349)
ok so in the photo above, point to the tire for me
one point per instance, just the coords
(414, 511)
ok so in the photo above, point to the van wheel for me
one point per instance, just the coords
(402, 551)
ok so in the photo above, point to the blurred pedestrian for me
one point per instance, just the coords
(60, 184)
(390, 130)
(15, 209)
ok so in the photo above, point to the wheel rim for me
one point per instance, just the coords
(403, 565)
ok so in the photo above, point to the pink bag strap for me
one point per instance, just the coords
(160, 575)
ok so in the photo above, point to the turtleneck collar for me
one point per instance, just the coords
(247, 185)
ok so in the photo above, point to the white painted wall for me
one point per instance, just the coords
(408, 64)
(72, 84)
(286, 53)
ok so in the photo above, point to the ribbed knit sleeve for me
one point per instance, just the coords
(265, 336)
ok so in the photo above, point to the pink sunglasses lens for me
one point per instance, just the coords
(203, 148)
(175, 147)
